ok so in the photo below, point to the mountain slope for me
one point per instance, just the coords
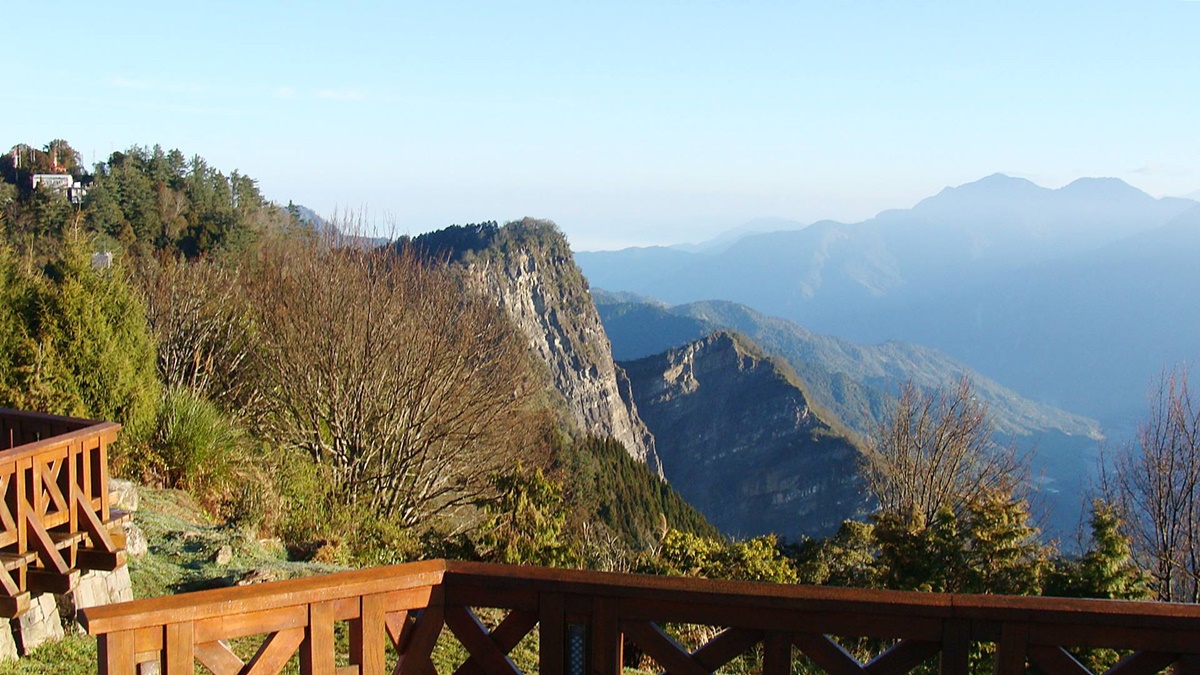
(857, 384)
(1092, 330)
(528, 268)
(857, 378)
(739, 440)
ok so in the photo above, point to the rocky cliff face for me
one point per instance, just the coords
(528, 267)
(738, 440)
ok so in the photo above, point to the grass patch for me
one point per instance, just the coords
(183, 541)
(73, 655)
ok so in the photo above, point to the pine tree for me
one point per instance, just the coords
(1002, 552)
(526, 524)
(1107, 570)
(95, 356)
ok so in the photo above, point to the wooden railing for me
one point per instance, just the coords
(393, 617)
(55, 518)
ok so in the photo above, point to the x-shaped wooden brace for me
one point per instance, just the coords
(488, 650)
(271, 656)
(414, 638)
(835, 660)
(1058, 661)
(674, 658)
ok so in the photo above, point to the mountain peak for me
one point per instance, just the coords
(755, 455)
(1103, 188)
(999, 178)
(1000, 181)
(997, 186)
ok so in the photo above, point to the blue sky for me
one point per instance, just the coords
(625, 122)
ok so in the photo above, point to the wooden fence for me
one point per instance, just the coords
(55, 517)
(394, 615)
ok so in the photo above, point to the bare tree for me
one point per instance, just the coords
(200, 320)
(936, 450)
(410, 387)
(1156, 482)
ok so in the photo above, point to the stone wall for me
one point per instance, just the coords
(95, 588)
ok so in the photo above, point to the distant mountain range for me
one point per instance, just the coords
(1077, 296)
(727, 239)
(853, 385)
(324, 226)
(853, 381)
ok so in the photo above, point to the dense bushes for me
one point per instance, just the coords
(76, 341)
(412, 390)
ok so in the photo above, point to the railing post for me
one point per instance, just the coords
(74, 451)
(317, 652)
(83, 470)
(116, 653)
(179, 649)
(552, 657)
(373, 637)
(1010, 652)
(956, 647)
(606, 637)
(100, 481)
(21, 483)
(777, 653)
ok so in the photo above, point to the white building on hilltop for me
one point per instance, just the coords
(61, 182)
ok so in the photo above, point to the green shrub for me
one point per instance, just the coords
(690, 555)
(77, 342)
(525, 523)
(306, 507)
(196, 447)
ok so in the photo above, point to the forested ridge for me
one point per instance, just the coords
(144, 199)
(367, 406)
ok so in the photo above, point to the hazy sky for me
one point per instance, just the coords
(625, 122)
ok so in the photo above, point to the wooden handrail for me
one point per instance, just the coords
(21, 427)
(405, 608)
(108, 429)
(223, 602)
(55, 511)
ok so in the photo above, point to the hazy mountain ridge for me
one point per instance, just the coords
(323, 226)
(858, 378)
(727, 239)
(1091, 331)
(856, 384)
(972, 271)
(739, 440)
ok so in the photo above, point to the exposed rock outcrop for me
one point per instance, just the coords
(739, 440)
(527, 266)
